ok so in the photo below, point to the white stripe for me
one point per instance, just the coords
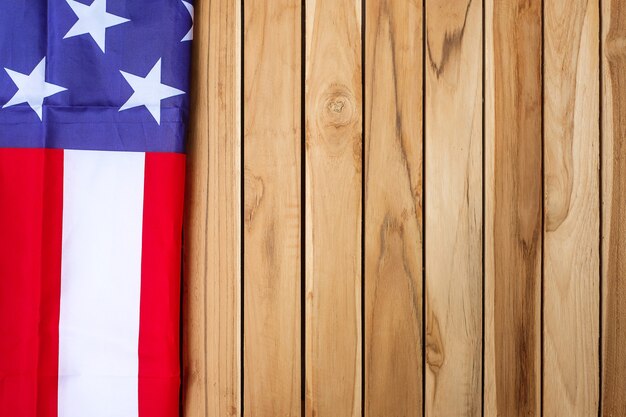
(100, 283)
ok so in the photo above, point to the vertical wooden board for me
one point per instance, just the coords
(513, 213)
(613, 47)
(333, 208)
(393, 208)
(453, 180)
(571, 208)
(272, 136)
(489, 340)
(211, 315)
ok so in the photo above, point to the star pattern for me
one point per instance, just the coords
(93, 20)
(149, 91)
(189, 35)
(32, 88)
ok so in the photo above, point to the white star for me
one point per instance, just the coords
(149, 91)
(189, 35)
(93, 20)
(32, 88)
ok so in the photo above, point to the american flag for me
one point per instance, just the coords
(93, 109)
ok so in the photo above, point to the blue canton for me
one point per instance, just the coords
(95, 74)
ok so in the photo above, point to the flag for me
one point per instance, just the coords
(93, 110)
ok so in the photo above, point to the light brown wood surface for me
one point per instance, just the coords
(271, 218)
(571, 208)
(393, 209)
(454, 250)
(613, 49)
(212, 261)
(333, 208)
(513, 211)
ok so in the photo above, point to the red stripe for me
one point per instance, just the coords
(159, 369)
(31, 200)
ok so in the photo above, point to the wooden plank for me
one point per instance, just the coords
(453, 180)
(571, 273)
(513, 200)
(211, 326)
(613, 47)
(272, 137)
(393, 209)
(333, 208)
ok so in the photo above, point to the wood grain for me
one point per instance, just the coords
(513, 211)
(454, 253)
(571, 208)
(333, 208)
(393, 209)
(614, 207)
(212, 297)
(551, 140)
(272, 211)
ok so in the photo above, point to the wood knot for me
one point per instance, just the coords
(338, 108)
(254, 190)
(435, 356)
(338, 120)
